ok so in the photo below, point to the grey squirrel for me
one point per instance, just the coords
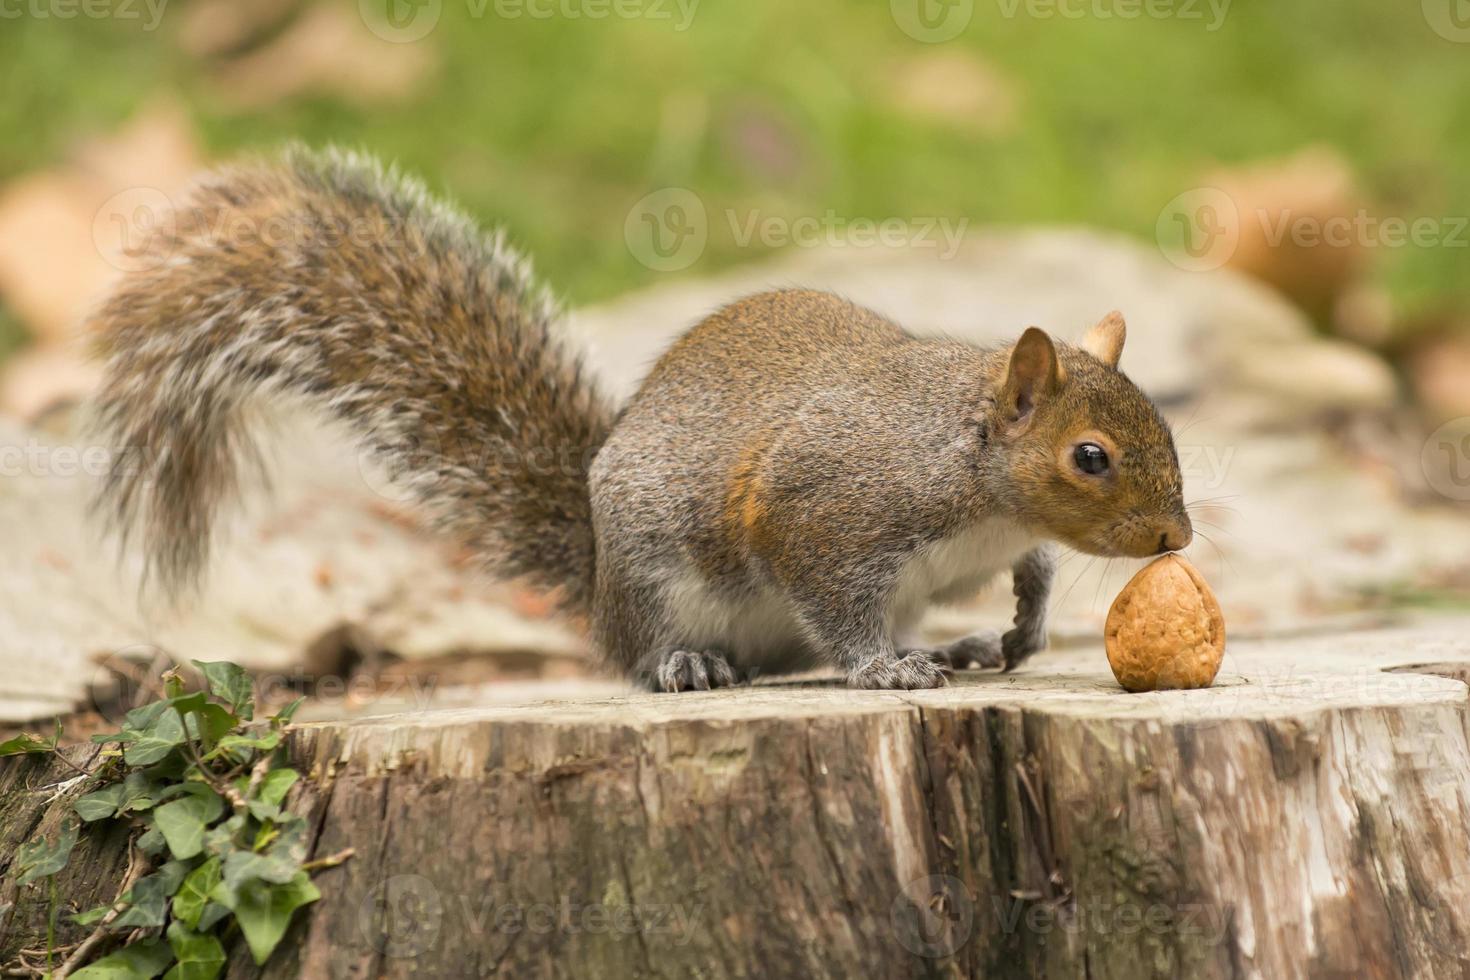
(796, 480)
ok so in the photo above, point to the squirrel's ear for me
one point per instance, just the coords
(1033, 374)
(1105, 340)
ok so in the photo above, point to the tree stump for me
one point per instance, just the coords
(1307, 816)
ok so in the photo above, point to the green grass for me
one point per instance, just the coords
(556, 127)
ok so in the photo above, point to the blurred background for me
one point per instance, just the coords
(1276, 193)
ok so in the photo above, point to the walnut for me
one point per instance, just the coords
(1165, 630)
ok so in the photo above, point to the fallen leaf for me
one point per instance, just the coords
(956, 88)
(328, 50)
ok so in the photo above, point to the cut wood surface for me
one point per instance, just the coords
(1307, 816)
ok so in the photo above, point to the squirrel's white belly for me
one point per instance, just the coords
(764, 629)
(750, 632)
(956, 568)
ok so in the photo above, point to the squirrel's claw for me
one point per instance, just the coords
(909, 671)
(685, 670)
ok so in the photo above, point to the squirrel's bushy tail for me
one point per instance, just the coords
(329, 277)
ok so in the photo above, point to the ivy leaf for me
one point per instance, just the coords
(148, 899)
(240, 746)
(193, 894)
(276, 784)
(38, 859)
(91, 916)
(138, 961)
(200, 956)
(134, 793)
(28, 742)
(231, 684)
(184, 821)
(152, 841)
(221, 838)
(264, 911)
(210, 723)
(284, 716)
(161, 734)
(101, 804)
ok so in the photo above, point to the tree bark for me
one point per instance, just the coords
(1309, 816)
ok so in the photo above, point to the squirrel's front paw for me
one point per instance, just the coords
(977, 650)
(908, 671)
(1018, 644)
(685, 670)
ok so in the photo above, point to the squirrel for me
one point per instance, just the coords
(794, 482)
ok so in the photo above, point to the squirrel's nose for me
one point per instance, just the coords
(1176, 536)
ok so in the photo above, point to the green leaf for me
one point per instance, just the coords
(148, 899)
(28, 742)
(135, 793)
(284, 716)
(101, 804)
(184, 821)
(200, 957)
(212, 915)
(276, 784)
(240, 746)
(264, 911)
(231, 684)
(211, 723)
(137, 961)
(91, 916)
(221, 837)
(138, 794)
(156, 739)
(193, 894)
(38, 859)
(152, 842)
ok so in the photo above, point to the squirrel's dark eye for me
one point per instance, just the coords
(1091, 459)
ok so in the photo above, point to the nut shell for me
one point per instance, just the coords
(1165, 630)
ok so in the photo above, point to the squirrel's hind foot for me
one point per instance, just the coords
(908, 671)
(984, 650)
(672, 671)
